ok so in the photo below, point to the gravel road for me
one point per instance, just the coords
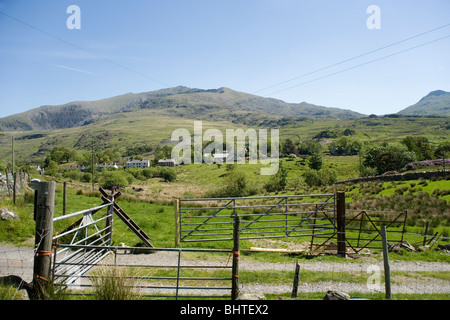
(19, 261)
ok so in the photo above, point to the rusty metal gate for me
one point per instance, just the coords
(211, 219)
(363, 230)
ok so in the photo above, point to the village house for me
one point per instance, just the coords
(137, 163)
(167, 163)
(107, 166)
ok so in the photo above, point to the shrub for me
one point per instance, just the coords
(86, 177)
(236, 185)
(168, 174)
(324, 177)
(278, 181)
(114, 179)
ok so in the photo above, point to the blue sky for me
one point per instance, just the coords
(273, 48)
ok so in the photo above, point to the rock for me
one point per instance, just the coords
(336, 295)
(251, 296)
(443, 247)
(423, 248)
(397, 247)
(7, 214)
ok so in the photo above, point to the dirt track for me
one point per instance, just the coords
(18, 261)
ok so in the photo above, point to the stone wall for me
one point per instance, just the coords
(7, 183)
(401, 177)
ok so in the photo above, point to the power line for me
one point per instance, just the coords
(360, 65)
(82, 49)
(352, 58)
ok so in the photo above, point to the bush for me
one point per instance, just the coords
(73, 174)
(168, 174)
(277, 181)
(114, 179)
(236, 185)
(318, 178)
(86, 177)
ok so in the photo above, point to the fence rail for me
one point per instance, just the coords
(212, 219)
(154, 278)
(69, 261)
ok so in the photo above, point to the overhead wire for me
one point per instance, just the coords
(83, 49)
(362, 64)
(354, 58)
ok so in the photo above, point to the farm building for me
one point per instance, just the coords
(167, 163)
(138, 163)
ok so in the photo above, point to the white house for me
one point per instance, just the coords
(138, 163)
(107, 166)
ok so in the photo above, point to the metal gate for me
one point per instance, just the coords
(363, 231)
(211, 219)
(70, 262)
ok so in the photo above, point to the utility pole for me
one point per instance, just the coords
(13, 170)
(93, 164)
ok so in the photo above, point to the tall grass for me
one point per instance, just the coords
(113, 283)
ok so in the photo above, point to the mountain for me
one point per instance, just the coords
(435, 103)
(191, 103)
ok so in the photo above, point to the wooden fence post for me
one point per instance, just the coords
(64, 197)
(340, 220)
(177, 223)
(296, 278)
(236, 257)
(44, 210)
(387, 271)
(425, 235)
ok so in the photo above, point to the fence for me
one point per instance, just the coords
(84, 246)
(72, 261)
(212, 219)
(159, 272)
(363, 231)
(81, 249)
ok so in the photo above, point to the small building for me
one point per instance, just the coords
(167, 163)
(223, 157)
(137, 163)
(81, 168)
(107, 166)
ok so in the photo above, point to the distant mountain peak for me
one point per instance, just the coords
(190, 103)
(436, 93)
(437, 102)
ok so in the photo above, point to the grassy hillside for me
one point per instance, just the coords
(214, 104)
(155, 127)
(435, 103)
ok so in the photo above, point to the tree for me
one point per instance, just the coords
(393, 158)
(114, 179)
(315, 161)
(317, 178)
(420, 146)
(278, 181)
(310, 147)
(289, 148)
(345, 146)
(168, 174)
(442, 149)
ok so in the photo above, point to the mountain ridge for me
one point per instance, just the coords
(202, 104)
(437, 102)
(180, 101)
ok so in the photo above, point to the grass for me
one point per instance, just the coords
(425, 200)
